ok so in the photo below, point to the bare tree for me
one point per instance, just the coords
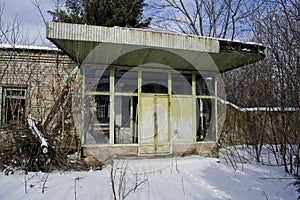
(272, 84)
(226, 19)
(31, 80)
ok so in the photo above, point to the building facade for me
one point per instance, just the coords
(145, 92)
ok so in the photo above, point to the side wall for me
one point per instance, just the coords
(41, 72)
(260, 127)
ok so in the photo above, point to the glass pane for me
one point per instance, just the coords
(126, 81)
(205, 119)
(14, 111)
(97, 79)
(205, 85)
(96, 119)
(125, 119)
(182, 84)
(13, 104)
(155, 82)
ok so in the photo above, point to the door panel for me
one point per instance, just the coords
(154, 128)
(147, 121)
(181, 120)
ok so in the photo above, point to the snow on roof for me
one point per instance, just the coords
(28, 47)
(272, 109)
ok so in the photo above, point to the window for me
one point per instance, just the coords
(97, 79)
(13, 106)
(126, 119)
(155, 82)
(182, 84)
(96, 122)
(205, 85)
(126, 81)
(205, 119)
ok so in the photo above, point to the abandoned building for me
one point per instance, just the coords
(137, 92)
(144, 92)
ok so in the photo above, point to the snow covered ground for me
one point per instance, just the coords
(191, 177)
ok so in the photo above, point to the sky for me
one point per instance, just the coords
(32, 25)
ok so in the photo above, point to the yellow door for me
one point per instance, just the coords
(154, 125)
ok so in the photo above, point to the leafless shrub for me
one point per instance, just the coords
(119, 181)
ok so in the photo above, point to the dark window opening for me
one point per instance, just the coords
(203, 117)
(103, 82)
(102, 108)
(205, 85)
(97, 121)
(154, 88)
(126, 119)
(181, 84)
(155, 82)
(13, 105)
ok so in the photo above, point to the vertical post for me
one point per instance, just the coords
(112, 106)
(155, 124)
(131, 119)
(216, 106)
(169, 110)
(169, 83)
(194, 105)
(139, 111)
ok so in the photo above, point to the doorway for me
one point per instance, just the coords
(154, 131)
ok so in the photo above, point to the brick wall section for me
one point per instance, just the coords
(42, 71)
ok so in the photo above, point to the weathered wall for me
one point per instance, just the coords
(42, 72)
(260, 127)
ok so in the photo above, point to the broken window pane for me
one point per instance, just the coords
(14, 102)
(126, 119)
(96, 122)
(205, 119)
(205, 85)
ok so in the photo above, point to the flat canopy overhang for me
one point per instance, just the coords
(135, 47)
